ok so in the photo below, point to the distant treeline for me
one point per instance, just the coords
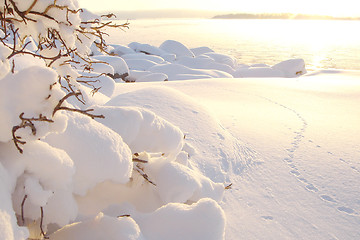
(280, 16)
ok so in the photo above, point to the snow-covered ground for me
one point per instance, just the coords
(296, 174)
(194, 145)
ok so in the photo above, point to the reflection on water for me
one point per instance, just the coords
(322, 44)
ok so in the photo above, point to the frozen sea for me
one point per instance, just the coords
(323, 44)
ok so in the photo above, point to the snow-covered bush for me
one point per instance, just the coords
(43, 46)
(62, 171)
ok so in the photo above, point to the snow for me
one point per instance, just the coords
(177, 48)
(119, 65)
(101, 227)
(100, 154)
(175, 221)
(233, 152)
(24, 92)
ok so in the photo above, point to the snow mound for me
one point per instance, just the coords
(147, 49)
(26, 92)
(199, 125)
(98, 82)
(152, 58)
(121, 69)
(153, 77)
(177, 48)
(179, 184)
(141, 129)
(140, 64)
(100, 227)
(204, 63)
(178, 62)
(173, 70)
(120, 50)
(8, 223)
(175, 221)
(100, 154)
(201, 50)
(291, 67)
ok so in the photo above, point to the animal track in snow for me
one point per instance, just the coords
(327, 198)
(267, 217)
(291, 151)
(346, 210)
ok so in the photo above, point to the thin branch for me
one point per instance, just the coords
(41, 224)
(139, 160)
(31, 7)
(22, 209)
(228, 186)
(125, 215)
(143, 174)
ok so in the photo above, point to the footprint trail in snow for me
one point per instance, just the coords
(290, 161)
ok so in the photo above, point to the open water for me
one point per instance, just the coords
(323, 44)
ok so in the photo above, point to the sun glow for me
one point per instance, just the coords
(336, 8)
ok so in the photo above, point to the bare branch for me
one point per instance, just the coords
(41, 224)
(22, 209)
(143, 174)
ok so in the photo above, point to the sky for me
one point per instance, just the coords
(320, 7)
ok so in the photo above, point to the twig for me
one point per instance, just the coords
(143, 174)
(41, 224)
(22, 209)
(27, 122)
(139, 160)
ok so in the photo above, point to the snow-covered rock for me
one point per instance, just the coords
(147, 49)
(102, 67)
(153, 58)
(100, 82)
(291, 67)
(153, 77)
(140, 64)
(177, 48)
(204, 63)
(135, 74)
(120, 50)
(201, 50)
(222, 58)
(172, 70)
(121, 69)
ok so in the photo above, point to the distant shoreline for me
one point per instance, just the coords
(281, 16)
